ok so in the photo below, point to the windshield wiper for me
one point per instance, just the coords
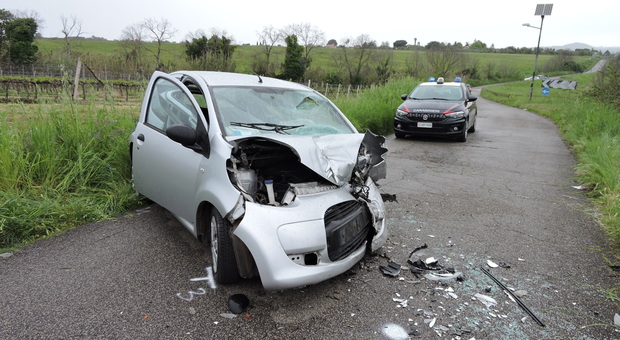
(267, 126)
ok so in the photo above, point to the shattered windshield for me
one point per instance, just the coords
(266, 110)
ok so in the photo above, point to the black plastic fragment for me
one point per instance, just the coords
(392, 269)
(238, 303)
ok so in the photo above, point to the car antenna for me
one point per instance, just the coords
(260, 80)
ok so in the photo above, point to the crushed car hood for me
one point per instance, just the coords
(333, 157)
(431, 106)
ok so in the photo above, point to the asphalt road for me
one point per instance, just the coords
(505, 195)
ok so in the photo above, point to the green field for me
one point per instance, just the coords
(109, 54)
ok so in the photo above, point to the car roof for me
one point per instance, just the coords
(215, 78)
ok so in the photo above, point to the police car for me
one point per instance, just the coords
(437, 108)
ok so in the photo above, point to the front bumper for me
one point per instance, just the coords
(450, 126)
(278, 237)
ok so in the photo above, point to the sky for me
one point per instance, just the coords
(493, 22)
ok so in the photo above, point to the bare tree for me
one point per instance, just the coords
(443, 60)
(132, 40)
(160, 31)
(268, 38)
(308, 35)
(356, 55)
(71, 29)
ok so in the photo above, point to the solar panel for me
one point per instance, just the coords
(543, 9)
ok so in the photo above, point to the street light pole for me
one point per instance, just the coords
(542, 10)
(542, 18)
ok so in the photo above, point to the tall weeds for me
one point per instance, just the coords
(374, 108)
(62, 165)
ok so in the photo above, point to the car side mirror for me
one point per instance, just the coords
(403, 97)
(182, 134)
(472, 98)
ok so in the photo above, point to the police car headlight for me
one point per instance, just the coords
(458, 114)
(401, 113)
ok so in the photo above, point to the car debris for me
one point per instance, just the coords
(486, 300)
(238, 303)
(392, 269)
(513, 297)
(444, 277)
(389, 198)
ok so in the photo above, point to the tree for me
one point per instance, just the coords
(443, 61)
(159, 31)
(309, 36)
(356, 55)
(433, 45)
(20, 33)
(268, 38)
(5, 18)
(71, 29)
(132, 41)
(294, 65)
(213, 53)
(400, 44)
(479, 46)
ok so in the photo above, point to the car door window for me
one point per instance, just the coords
(169, 105)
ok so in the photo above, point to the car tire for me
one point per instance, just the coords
(222, 252)
(462, 137)
(399, 134)
(472, 128)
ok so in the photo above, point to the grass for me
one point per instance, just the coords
(591, 129)
(374, 108)
(98, 53)
(62, 165)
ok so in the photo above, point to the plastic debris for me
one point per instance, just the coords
(431, 261)
(401, 302)
(520, 293)
(617, 320)
(580, 187)
(430, 322)
(418, 249)
(389, 198)
(492, 264)
(5, 255)
(238, 303)
(393, 331)
(228, 315)
(444, 277)
(392, 269)
(486, 300)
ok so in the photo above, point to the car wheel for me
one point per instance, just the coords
(222, 253)
(463, 135)
(472, 128)
(399, 134)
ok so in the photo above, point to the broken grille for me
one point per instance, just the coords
(346, 226)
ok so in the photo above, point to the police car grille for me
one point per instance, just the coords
(429, 116)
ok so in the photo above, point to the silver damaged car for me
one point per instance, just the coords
(268, 173)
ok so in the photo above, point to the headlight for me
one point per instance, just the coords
(401, 113)
(458, 114)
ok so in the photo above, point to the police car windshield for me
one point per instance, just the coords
(437, 92)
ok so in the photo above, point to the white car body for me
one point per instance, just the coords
(199, 151)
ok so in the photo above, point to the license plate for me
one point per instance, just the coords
(425, 125)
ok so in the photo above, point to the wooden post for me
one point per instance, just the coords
(76, 80)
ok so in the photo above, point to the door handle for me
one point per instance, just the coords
(141, 137)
